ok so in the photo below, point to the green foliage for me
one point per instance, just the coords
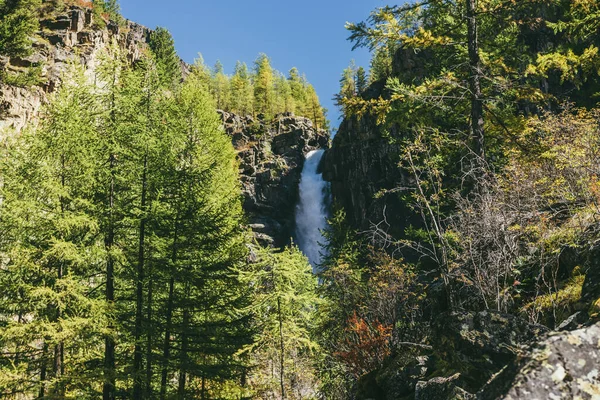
(220, 87)
(242, 93)
(108, 8)
(263, 91)
(167, 61)
(28, 78)
(121, 242)
(284, 305)
(18, 22)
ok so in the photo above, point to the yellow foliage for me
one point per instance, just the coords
(562, 302)
(594, 311)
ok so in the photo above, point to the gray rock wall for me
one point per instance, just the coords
(271, 156)
(70, 36)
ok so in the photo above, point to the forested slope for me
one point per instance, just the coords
(465, 181)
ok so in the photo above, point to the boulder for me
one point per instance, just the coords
(441, 389)
(479, 344)
(566, 365)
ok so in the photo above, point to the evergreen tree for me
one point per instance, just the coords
(50, 248)
(298, 91)
(284, 305)
(348, 85)
(314, 110)
(18, 22)
(220, 87)
(168, 63)
(284, 102)
(264, 95)
(381, 63)
(362, 81)
(206, 247)
(242, 92)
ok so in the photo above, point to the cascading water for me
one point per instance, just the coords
(311, 211)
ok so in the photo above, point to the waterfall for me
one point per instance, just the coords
(311, 211)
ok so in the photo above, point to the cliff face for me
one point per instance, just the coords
(271, 156)
(361, 163)
(65, 37)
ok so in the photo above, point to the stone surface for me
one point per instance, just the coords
(564, 366)
(590, 292)
(271, 156)
(64, 38)
(442, 389)
(360, 163)
(478, 345)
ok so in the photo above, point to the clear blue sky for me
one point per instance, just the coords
(307, 34)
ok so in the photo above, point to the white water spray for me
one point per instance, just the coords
(311, 211)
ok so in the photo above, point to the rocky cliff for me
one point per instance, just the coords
(70, 35)
(271, 155)
(361, 164)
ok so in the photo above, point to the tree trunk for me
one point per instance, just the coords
(108, 390)
(42, 391)
(149, 336)
(167, 342)
(184, 350)
(477, 121)
(137, 357)
(281, 349)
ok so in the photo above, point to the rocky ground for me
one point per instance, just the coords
(493, 356)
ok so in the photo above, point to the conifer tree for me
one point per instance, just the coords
(242, 93)
(168, 63)
(49, 249)
(18, 22)
(284, 303)
(206, 245)
(362, 81)
(298, 91)
(348, 85)
(220, 87)
(264, 96)
(283, 95)
(314, 109)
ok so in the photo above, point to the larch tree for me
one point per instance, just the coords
(284, 302)
(242, 93)
(167, 62)
(298, 91)
(202, 330)
(18, 22)
(264, 79)
(220, 87)
(50, 251)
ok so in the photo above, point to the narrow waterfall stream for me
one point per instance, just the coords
(311, 211)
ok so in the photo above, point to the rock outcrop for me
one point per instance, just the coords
(360, 164)
(441, 388)
(493, 356)
(478, 345)
(65, 37)
(271, 155)
(564, 366)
